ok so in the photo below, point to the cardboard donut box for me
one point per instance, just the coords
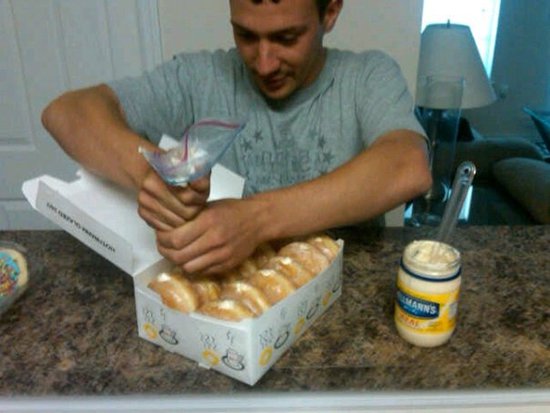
(104, 217)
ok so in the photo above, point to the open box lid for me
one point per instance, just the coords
(104, 216)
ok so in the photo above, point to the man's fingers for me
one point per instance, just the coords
(182, 257)
(153, 221)
(192, 247)
(195, 193)
(197, 260)
(171, 202)
(155, 188)
(202, 184)
(189, 197)
(151, 207)
(180, 238)
(219, 238)
(207, 267)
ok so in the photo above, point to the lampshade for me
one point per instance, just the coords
(449, 50)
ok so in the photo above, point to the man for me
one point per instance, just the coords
(330, 140)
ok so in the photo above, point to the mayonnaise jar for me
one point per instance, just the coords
(428, 286)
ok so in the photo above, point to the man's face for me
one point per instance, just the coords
(280, 43)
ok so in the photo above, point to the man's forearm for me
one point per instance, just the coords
(89, 125)
(390, 172)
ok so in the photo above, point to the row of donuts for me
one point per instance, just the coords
(262, 280)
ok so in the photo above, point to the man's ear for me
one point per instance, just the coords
(331, 14)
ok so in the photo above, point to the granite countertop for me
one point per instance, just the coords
(74, 331)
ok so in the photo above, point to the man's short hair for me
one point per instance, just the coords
(321, 6)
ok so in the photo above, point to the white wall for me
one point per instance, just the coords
(389, 25)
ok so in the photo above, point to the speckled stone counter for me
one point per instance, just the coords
(74, 331)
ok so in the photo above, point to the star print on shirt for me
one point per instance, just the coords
(322, 142)
(247, 145)
(327, 157)
(258, 136)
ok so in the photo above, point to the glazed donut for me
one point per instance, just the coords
(229, 310)
(206, 288)
(307, 255)
(274, 285)
(262, 254)
(242, 271)
(326, 245)
(175, 291)
(247, 268)
(253, 298)
(248, 290)
(291, 269)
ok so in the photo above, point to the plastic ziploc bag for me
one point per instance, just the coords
(14, 273)
(202, 145)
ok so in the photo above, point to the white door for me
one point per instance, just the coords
(47, 47)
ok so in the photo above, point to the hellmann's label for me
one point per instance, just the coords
(417, 307)
(425, 312)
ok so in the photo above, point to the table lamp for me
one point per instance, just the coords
(451, 77)
(450, 50)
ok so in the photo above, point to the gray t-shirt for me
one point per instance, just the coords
(356, 98)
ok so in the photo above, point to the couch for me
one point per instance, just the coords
(512, 184)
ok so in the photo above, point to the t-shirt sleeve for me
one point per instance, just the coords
(383, 99)
(158, 102)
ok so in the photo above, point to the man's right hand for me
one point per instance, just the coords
(166, 207)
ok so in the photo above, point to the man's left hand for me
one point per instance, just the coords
(219, 238)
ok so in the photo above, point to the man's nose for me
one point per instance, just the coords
(266, 60)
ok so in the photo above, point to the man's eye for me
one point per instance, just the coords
(246, 36)
(287, 39)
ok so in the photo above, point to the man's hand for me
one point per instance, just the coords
(392, 170)
(219, 238)
(165, 207)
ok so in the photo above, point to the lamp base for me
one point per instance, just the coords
(427, 210)
(424, 220)
(441, 126)
(438, 193)
(424, 212)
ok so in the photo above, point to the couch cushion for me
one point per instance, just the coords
(528, 181)
(485, 152)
